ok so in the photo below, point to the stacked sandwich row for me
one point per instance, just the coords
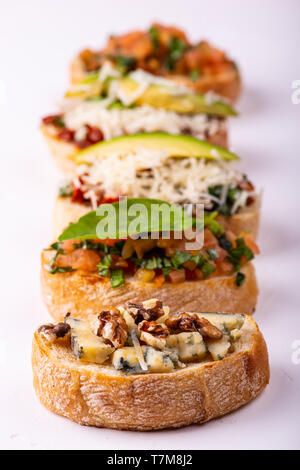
(154, 206)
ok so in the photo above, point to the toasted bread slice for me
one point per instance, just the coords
(66, 211)
(64, 152)
(100, 395)
(227, 84)
(84, 294)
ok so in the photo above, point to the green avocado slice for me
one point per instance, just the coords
(175, 145)
(158, 96)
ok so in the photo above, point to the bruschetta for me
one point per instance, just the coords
(164, 52)
(112, 106)
(140, 367)
(83, 273)
(147, 165)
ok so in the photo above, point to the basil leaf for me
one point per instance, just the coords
(212, 253)
(214, 226)
(103, 272)
(240, 279)
(176, 48)
(117, 278)
(65, 191)
(154, 37)
(124, 63)
(57, 269)
(194, 75)
(235, 254)
(166, 271)
(207, 269)
(117, 222)
(179, 258)
(199, 260)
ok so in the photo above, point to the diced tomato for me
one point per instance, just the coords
(210, 240)
(159, 280)
(66, 134)
(222, 255)
(68, 245)
(250, 243)
(85, 260)
(108, 241)
(177, 276)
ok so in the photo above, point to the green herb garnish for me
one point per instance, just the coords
(207, 268)
(65, 191)
(235, 254)
(124, 63)
(240, 278)
(154, 37)
(180, 258)
(176, 48)
(194, 75)
(117, 278)
(121, 224)
(212, 253)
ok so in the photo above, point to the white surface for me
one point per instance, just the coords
(37, 41)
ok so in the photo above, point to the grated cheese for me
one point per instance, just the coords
(116, 122)
(176, 180)
(139, 351)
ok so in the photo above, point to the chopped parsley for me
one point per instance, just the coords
(194, 75)
(51, 268)
(176, 48)
(232, 196)
(117, 278)
(212, 253)
(104, 265)
(125, 64)
(240, 278)
(154, 37)
(65, 191)
(235, 254)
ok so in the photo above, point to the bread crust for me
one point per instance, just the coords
(90, 394)
(85, 294)
(64, 152)
(226, 84)
(66, 211)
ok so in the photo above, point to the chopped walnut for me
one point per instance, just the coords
(153, 334)
(149, 310)
(52, 332)
(112, 327)
(191, 322)
(153, 328)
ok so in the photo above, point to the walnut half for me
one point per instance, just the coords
(52, 332)
(190, 322)
(148, 310)
(153, 334)
(112, 327)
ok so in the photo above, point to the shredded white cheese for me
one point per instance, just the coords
(139, 351)
(149, 173)
(116, 122)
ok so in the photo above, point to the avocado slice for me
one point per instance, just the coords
(162, 97)
(175, 145)
(156, 96)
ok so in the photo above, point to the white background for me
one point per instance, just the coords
(37, 41)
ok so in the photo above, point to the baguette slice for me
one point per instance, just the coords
(227, 84)
(101, 396)
(66, 211)
(85, 294)
(64, 152)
